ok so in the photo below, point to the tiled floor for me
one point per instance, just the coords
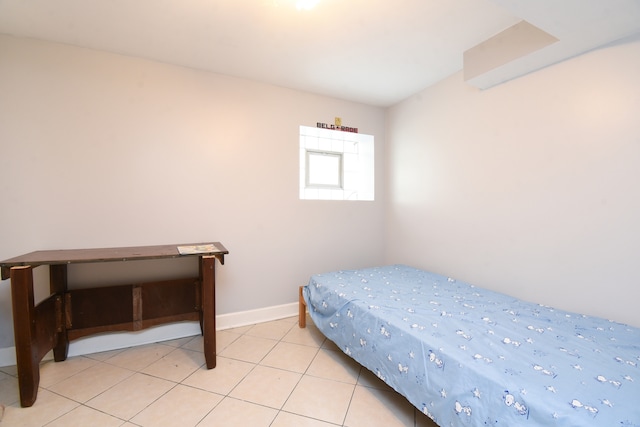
(269, 374)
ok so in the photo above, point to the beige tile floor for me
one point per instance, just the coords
(269, 374)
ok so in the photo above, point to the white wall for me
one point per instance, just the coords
(529, 188)
(103, 150)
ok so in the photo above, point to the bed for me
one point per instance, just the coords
(467, 356)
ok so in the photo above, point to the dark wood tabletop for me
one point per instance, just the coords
(72, 256)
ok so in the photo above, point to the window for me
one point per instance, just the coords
(336, 165)
(324, 169)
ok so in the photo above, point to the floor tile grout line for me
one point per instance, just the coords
(62, 415)
(210, 411)
(302, 375)
(72, 375)
(305, 416)
(284, 332)
(305, 373)
(299, 379)
(154, 400)
(85, 404)
(255, 365)
(223, 396)
(133, 372)
(353, 392)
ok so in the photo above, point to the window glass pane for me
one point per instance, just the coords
(324, 169)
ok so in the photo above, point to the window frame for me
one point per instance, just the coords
(340, 156)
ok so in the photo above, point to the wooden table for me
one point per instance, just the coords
(70, 314)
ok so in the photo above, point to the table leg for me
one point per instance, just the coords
(208, 316)
(24, 326)
(58, 286)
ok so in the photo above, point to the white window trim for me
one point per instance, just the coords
(340, 177)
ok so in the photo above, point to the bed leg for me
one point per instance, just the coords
(302, 310)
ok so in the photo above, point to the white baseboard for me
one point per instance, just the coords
(114, 341)
(7, 356)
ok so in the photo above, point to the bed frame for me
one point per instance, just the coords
(302, 309)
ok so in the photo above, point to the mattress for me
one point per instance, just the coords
(467, 356)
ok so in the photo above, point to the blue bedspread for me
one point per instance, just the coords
(466, 356)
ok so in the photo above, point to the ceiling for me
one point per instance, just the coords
(376, 52)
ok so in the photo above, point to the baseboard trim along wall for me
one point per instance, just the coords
(114, 341)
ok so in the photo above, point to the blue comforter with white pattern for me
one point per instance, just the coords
(467, 356)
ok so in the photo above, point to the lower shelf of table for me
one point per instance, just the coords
(130, 307)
